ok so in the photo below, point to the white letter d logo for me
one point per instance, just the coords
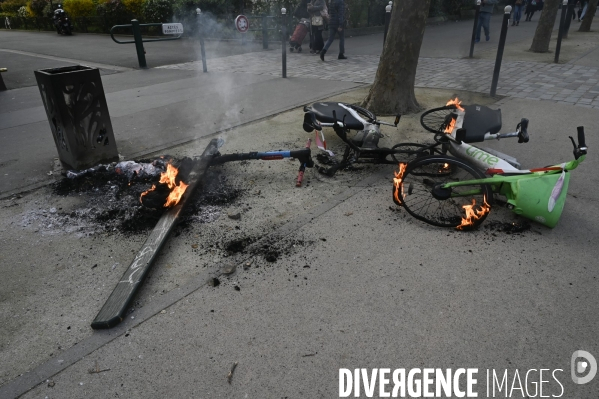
(581, 366)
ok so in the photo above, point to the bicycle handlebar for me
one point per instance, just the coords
(523, 133)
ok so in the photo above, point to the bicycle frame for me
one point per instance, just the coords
(304, 156)
(537, 194)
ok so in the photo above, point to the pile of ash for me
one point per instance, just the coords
(111, 194)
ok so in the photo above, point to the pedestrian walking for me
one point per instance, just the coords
(484, 18)
(531, 7)
(540, 5)
(318, 12)
(336, 26)
(517, 12)
(584, 10)
(302, 28)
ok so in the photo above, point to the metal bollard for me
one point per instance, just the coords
(264, 32)
(387, 19)
(284, 39)
(201, 33)
(476, 15)
(506, 20)
(561, 31)
(139, 46)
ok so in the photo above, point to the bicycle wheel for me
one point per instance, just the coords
(406, 152)
(422, 195)
(433, 120)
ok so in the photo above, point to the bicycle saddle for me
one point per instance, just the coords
(323, 112)
(479, 120)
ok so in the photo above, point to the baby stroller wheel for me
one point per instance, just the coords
(291, 49)
(299, 49)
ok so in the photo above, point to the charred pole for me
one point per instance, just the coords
(113, 311)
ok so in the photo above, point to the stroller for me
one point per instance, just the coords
(300, 32)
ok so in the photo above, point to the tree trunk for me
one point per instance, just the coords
(393, 89)
(540, 43)
(585, 25)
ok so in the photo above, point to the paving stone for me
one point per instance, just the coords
(562, 83)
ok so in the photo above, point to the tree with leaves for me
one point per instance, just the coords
(393, 89)
(540, 42)
(585, 25)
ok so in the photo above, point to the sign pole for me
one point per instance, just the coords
(139, 46)
(202, 50)
(284, 41)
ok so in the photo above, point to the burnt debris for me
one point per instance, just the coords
(112, 193)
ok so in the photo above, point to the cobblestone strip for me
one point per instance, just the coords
(563, 83)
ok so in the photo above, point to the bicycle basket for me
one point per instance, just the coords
(532, 197)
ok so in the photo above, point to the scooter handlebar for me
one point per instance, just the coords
(581, 142)
(523, 133)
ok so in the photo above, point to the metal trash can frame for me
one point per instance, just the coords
(76, 108)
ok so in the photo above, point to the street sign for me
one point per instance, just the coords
(242, 23)
(172, 29)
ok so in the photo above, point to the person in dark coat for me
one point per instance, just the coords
(530, 9)
(336, 26)
(517, 10)
(315, 9)
(302, 10)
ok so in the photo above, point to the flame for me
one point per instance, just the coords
(450, 126)
(397, 182)
(455, 101)
(146, 192)
(169, 178)
(472, 215)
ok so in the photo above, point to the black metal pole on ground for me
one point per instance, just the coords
(476, 15)
(264, 32)
(284, 40)
(113, 311)
(139, 46)
(502, 36)
(561, 31)
(201, 33)
(387, 19)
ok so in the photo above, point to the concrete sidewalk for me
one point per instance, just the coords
(359, 283)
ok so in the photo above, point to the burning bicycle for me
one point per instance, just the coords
(363, 147)
(458, 190)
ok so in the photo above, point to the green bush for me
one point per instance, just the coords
(155, 11)
(48, 10)
(37, 7)
(11, 7)
(220, 7)
(79, 8)
(134, 7)
(113, 8)
(453, 7)
(184, 9)
(23, 12)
